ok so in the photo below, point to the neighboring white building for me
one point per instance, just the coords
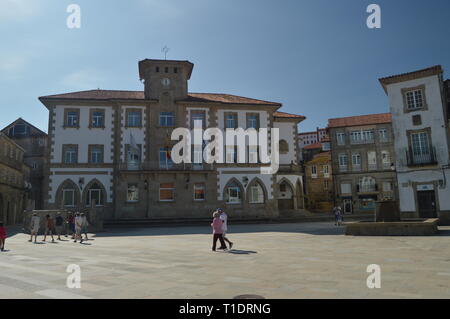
(420, 126)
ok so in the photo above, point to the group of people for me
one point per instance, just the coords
(75, 225)
(338, 216)
(220, 228)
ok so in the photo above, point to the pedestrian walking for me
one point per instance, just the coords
(217, 232)
(78, 226)
(84, 225)
(70, 225)
(34, 226)
(59, 224)
(338, 215)
(224, 218)
(2, 236)
(49, 228)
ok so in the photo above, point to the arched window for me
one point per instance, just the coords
(367, 184)
(256, 193)
(286, 191)
(233, 193)
(284, 147)
(95, 193)
(68, 194)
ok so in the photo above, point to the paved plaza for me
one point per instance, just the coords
(303, 260)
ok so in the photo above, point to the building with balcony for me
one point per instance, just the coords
(14, 181)
(112, 150)
(34, 142)
(419, 105)
(362, 153)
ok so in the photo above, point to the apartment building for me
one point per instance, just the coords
(362, 161)
(419, 104)
(319, 183)
(14, 183)
(34, 142)
(112, 149)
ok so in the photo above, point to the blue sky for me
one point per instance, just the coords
(317, 57)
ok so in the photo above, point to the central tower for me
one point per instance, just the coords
(165, 78)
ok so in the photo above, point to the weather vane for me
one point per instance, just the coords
(165, 50)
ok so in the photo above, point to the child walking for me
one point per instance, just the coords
(2, 237)
(217, 232)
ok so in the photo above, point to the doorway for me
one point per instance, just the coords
(427, 204)
(348, 207)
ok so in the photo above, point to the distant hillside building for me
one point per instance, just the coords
(34, 143)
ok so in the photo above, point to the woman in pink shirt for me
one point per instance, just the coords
(2, 237)
(217, 232)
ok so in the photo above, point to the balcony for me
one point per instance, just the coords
(421, 157)
(343, 168)
(356, 167)
(155, 166)
(366, 188)
(362, 141)
(372, 167)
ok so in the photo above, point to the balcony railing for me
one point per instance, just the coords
(362, 141)
(343, 168)
(424, 156)
(366, 188)
(155, 166)
(356, 167)
(373, 167)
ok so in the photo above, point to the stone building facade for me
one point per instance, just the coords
(420, 117)
(319, 183)
(13, 181)
(34, 142)
(112, 149)
(362, 161)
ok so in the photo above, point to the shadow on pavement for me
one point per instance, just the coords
(241, 252)
(322, 228)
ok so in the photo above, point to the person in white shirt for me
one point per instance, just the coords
(224, 218)
(84, 225)
(34, 226)
(78, 226)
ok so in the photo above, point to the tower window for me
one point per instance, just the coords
(157, 69)
(175, 70)
(166, 69)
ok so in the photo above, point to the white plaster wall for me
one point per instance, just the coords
(401, 122)
(433, 117)
(287, 133)
(82, 136)
(223, 180)
(57, 180)
(407, 203)
(138, 133)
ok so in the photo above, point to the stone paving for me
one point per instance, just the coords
(304, 260)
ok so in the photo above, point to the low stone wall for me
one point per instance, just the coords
(426, 227)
